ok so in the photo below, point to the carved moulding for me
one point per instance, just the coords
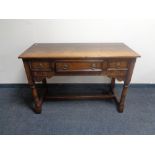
(120, 75)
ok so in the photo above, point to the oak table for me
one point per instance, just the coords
(44, 60)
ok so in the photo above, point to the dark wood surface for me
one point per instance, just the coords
(115, 60)
(79, 50)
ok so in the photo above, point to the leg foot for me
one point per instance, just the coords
(37, 109)
(38, 103)
(120, 108)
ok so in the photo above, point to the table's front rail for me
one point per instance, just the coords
(46, 68)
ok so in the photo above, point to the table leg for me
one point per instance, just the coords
(126, 85)
(112, 83)
(122, 99)
(37, 100)
(38, 103)
(44, 82)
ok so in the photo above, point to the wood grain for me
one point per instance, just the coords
(79, 50)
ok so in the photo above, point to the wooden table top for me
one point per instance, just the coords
(79, 50)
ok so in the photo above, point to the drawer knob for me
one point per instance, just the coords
(40, 65)
(65, 67)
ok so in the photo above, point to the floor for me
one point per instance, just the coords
(79, 117)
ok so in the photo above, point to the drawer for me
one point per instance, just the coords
(118, 64)
(116, 73)
(78, 66)
(40, 75)
(40, 66)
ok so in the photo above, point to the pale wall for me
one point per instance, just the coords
(17, 35)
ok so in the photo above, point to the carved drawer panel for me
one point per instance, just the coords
(115, 73)
(40, 65)
(38, 75)
(78, 66)
(118, 64)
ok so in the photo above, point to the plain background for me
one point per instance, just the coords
(18, 35)
(105, 9)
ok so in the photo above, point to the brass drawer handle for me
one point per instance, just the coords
(65, 67)
(41, 65)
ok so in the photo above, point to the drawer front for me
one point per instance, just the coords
(40, 75)
(79, 66)
(118, 64)
(116, 73)
(40, 66)
(117, 68)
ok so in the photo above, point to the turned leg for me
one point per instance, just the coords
(44, 81)
(37, 100)
(126, 84)
(38, 104)
(112, 83)
(122, 99)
